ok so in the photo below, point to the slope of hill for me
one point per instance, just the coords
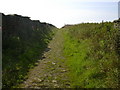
(24, 41)
(92, 54)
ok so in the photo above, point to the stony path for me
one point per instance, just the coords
(50, 72)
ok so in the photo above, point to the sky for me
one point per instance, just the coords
(62, 12)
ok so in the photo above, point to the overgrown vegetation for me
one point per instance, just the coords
(92, 54)
(22, 47)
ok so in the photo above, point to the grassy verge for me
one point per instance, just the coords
(92, 55)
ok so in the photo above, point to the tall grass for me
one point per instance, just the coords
(92, 55)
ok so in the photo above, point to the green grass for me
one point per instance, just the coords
(91, 53)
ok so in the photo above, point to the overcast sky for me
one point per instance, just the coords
(61, 12)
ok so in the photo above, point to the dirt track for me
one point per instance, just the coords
(50, 72)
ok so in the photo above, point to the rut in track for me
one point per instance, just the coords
(51, 71)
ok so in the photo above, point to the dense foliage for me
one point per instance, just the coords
(92, 52)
